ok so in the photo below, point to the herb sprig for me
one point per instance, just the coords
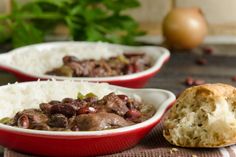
(91, 20)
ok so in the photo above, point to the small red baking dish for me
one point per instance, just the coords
(80, 143)
(30, 63)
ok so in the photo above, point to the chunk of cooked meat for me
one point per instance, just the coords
(100, 121)
(29, 118)
(113, 103)
(58, 121)
(40, 126)
(68, 59)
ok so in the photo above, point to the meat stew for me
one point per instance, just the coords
(120, 65)
(86, 113)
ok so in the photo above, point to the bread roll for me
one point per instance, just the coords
(203, 116)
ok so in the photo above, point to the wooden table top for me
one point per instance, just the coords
(219, 69)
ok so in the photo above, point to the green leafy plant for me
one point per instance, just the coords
(91, 20)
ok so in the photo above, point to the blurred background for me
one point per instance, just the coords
(220, 15)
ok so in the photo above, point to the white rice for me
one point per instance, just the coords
(16, 97)
(37, 59)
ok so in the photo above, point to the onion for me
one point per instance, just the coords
(184, 28)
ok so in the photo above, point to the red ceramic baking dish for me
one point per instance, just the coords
(20, 96)
(31, 62)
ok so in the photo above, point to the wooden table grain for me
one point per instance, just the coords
(219, 69)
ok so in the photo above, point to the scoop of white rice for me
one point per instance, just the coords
(38, 59)
(16, 97)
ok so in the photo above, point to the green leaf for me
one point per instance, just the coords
(77, 10)
(85, 3)
(120, 5)
(4, 16)
(93, 20)
(6, 120)
(57, 3)
(94, 14)
(93, 34)
(26, 34)
(15, 6)
(90, 95)
(5, 33)
(76, 29)
(80, 96)
(32, 8)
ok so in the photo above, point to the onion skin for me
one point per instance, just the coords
(184, 28)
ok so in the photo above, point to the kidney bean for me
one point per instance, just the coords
(66, 110)
(68, 59)
(45, 107)
(54, 102)
(23, 122)
(133, 114)
(86, 110)
(189, 81)
(208, 50)
(201, 61)
(67, 100)
(199, 82)
(234, 78)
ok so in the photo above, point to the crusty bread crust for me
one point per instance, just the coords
(203, 116)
